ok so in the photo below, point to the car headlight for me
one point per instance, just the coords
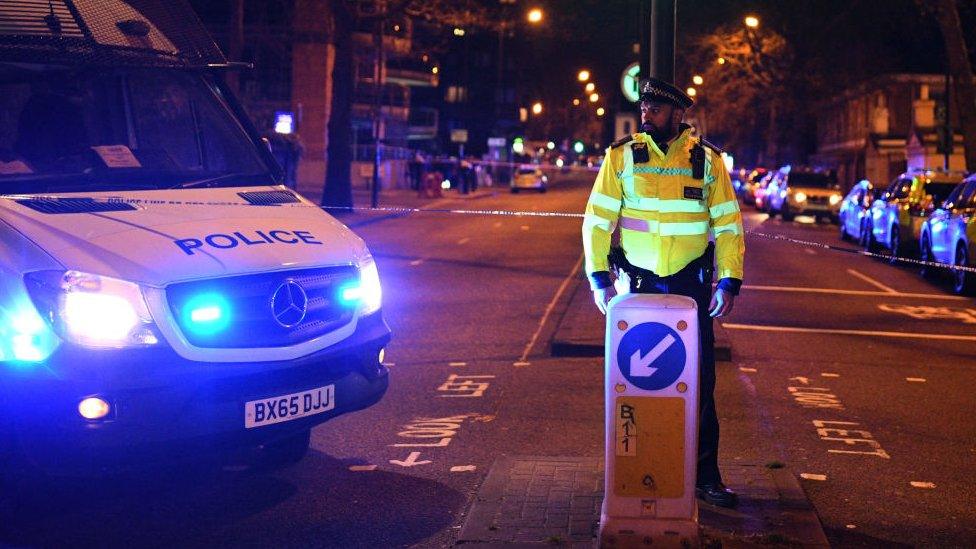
(800, 196)
(835, 199)
(92, 310)
(367, 293)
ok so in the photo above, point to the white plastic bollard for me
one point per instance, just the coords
(651, 384)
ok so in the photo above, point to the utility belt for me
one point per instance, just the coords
(701, 269)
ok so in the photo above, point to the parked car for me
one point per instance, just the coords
(854, 210)
(895, 219)
(948, 235)
(749, 183)
(529, 177)
(803, 191)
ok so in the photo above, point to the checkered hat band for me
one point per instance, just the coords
(651, 90)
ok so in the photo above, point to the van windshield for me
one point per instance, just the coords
(95, 129)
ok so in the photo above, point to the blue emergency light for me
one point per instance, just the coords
(207, 314)
(284, 122)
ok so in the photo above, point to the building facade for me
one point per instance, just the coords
(882, 127)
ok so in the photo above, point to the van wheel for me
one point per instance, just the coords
(963, 283)
(284, 452)
(870, 244)
(894, 243)
(925, 254)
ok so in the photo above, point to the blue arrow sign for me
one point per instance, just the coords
(651, 356)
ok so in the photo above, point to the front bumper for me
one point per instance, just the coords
(166, 407)
(812, 208)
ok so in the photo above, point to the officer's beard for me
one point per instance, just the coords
(659, 135)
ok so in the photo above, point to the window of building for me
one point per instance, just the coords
(456, 94)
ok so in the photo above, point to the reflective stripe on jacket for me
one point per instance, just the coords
(663, 225)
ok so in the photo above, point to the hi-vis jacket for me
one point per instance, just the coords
(664, 214)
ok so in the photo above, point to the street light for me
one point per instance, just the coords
(576, 102)
(537, 108)
(583, 75)
(534, 15)
(691, 92)
(721, 60)
(601, 111)
(590, 87)
(752, 21)
(698, 80)
(594, 97)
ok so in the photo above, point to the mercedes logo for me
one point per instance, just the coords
(289, 304)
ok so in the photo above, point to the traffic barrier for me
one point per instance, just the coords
(651, 407)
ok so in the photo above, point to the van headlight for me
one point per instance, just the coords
(835, 199)
(368, 293)
(92, 310)
(800, 196)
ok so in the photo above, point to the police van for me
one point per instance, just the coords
(162, 295)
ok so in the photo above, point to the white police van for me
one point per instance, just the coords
(161, 294)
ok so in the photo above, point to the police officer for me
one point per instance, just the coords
(667, 190)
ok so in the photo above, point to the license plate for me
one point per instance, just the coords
(268, 411)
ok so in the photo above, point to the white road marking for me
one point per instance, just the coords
(545, 316)
(497, 224)
(411, 460)
(871, 281)
(464, 240)
(809, 251)
(868, 333)
(361, 468)
(521, 364)
(827, 374)
(416, 262)
(850, 292)
(389, 364)
(524, 227)
(851, 526)
(919, 484)
(801, 379)
(747, 370)
(812, 476)
(457, 363)
(463, 468)
(915, 379)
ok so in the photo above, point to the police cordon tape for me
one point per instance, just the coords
(516, 213)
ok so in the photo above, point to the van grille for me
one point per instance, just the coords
(251, 321)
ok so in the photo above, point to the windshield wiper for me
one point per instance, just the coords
(217, 179)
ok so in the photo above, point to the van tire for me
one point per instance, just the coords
(925, 254)
(963, 283)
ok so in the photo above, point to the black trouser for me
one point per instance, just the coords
(694, 282)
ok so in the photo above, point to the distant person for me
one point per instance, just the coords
(667, 190)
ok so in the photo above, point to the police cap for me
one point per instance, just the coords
(655, 89)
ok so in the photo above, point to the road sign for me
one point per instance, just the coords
(496, 141)
(629, 82)
(651, 356)
(459, 136)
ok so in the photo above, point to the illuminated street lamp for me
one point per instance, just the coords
(721, 60)
(534, 15)
(594, 97)
(691, 92)
(583, 75)
(551, 145)
(698, 80)
(590, 87)
(752, 21)
(537, 108)
(576, 102)
(601, 111)
(435, 70)
(458, 31)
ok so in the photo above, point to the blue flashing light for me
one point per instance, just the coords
(351, 294)
(25, 337)
(284, 122)
(206, 314)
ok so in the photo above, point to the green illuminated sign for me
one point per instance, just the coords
(630, 82)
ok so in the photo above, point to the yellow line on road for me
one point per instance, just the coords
(831, 331)
(850, 292)
(552, 304)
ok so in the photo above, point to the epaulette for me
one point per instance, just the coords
(710, 145)
(621, 141)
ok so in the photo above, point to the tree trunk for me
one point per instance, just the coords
(947, 14)
(338, 176)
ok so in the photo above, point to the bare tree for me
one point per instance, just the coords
(946, 12)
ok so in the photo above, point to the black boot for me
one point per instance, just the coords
(717, 494)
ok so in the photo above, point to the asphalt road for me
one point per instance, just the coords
(472, 300)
